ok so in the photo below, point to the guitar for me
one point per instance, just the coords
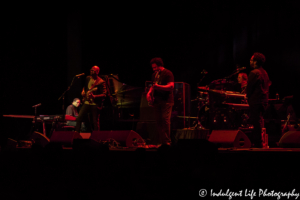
(151, 101)
(88, 94)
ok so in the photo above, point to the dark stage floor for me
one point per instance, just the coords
(181, 170)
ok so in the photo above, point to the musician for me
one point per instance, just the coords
(93, 94)
(258, 95)
(72, 109)
(161, 95)
(242, 80)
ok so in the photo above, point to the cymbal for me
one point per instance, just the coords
(187, 117)
(203, 88)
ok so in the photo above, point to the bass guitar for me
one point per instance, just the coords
(156, 79)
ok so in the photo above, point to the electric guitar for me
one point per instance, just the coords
(151, 101)
(88, 94)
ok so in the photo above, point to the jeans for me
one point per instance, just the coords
(83, 114)
(256, 119)
(162, 113)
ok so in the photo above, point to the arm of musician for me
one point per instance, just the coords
(168, 87)
(149, 98)
(69, 111)
(252, 81)
(70, 118)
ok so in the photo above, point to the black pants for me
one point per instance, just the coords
(256, 119)
(163, 118)
(83, 116)
(73, 123)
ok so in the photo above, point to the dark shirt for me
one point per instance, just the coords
(71, 110)
(258, 86)
(164, 78)
(244, 89)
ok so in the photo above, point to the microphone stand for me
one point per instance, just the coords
(237, 71)
(63, 94)
(201, 80)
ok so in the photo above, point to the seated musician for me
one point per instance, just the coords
(72, 110)
(94, 93)
(242, 80)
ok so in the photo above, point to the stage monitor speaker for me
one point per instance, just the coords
(128, 138)
(39, 139)
(11, 143)
(149, 131)
(230, 138)
(64, 137)
(290, 139)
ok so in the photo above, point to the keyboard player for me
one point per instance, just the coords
(72, 110)
(242, 80)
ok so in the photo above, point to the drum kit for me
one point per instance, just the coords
(221, 109)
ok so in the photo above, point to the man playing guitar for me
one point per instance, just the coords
(161, 96)
(93, 94)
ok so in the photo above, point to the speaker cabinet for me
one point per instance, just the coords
(290, 139)
(230, 138)
(39, 139)
(149, 131)
(64, 137)
(182, 103)
(128, 138)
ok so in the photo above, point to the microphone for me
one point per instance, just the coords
(204, 72)
(78, 75)
(37, 105)
(240, 69)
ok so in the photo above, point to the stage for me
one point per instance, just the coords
(90, 171)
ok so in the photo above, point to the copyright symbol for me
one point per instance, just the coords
(202, 192)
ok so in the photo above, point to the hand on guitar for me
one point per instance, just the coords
(150, 98)
(90, 95)
(83, 93)
(155, 86)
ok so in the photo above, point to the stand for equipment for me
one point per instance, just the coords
(63, 94)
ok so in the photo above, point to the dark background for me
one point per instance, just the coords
(44, 47)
